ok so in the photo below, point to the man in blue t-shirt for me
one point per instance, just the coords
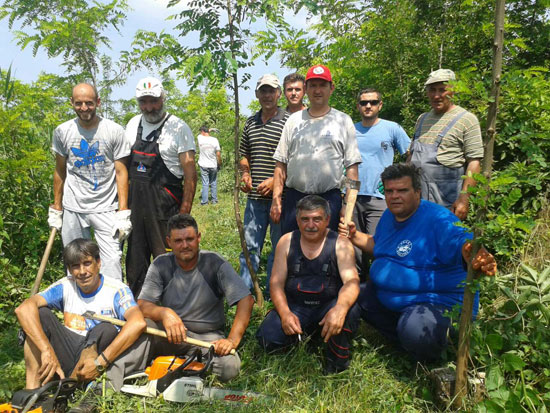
(80, 347)
(377, 139)
(419, 266)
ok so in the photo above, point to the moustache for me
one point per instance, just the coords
(311, 230)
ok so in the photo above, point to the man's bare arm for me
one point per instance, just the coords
(240, 323)
(59, 175)
(334, 319)
(461, 205)
(175, 329)
(364, 242)
(121, 174)
(246, 179)
(187, 161)
(279, 178)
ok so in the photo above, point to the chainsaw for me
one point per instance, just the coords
(178, 379)
(50, 398)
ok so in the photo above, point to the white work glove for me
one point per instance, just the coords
(123, 225)
(55, 218)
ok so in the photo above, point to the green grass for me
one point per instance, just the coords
(380, 378)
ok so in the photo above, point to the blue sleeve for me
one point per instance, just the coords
(401, 141)
(124, 299)
(450, 237)
(54, 296)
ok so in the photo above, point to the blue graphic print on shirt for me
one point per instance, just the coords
(90, 156)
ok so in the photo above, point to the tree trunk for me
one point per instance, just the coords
(488, 144)
(236, 189)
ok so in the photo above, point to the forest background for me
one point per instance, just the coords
(391, 45)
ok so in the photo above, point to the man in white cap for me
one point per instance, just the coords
(315, 147)
(90, 182)
(447, 144)
(162, 155)
(259, 140)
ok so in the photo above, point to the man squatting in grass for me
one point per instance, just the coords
(447, 144)
(90, 180)
(315, 146)
(259, 140)
(162, 156)
(80, 347)
(184, 292)
(419, 267)
(210, 162)
(314, 286)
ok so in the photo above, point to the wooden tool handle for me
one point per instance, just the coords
(154, 331)
(43, 263)
(350, 205)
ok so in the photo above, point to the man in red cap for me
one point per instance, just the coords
(316, 145)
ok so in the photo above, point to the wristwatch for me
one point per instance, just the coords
(99, 367)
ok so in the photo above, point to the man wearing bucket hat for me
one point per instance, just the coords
(315, 147)
(447, 144)
(162, 155)
(259, 140)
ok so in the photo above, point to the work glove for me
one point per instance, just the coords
(55, 218)
(123, 225)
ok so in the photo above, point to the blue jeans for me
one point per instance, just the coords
(256, 221)
(209, 178)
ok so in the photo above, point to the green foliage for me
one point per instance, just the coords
(512, 340)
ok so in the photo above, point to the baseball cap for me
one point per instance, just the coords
(319, 72)
(440, 75)
(149, 86)
(270, 80)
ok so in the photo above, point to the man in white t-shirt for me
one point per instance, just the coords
(210, 162)
(316, 145)
(162, 155)
(91, 180)
(77, 346)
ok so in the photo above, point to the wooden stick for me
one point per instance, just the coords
(148, 330)
(43, 263)
(350, 205)
(461, 383)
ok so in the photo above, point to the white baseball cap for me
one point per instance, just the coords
(441, 75)
(270, 80)
(149, 86)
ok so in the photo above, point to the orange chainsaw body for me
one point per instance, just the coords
(161, 366)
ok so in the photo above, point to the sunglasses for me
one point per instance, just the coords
(366, 102)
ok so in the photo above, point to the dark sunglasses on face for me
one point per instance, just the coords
(366, 102)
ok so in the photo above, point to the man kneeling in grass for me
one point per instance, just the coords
(314, 286)
(81, 348)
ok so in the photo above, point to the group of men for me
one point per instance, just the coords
(129, 183)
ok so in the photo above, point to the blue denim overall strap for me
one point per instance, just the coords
(440, 184)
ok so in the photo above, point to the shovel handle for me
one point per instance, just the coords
(350, 205)
(43, 263)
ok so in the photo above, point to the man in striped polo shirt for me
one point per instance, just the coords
(259, 140)
(447, 144)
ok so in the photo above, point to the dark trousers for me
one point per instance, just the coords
(291, 198)
(147, 238)
(421, 329)
(271, 336)
(68, 345)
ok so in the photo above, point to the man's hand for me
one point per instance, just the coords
(223, 346)
(460, 207)
(291, 324)
(348, 230)
(332, 322)
(122, 225)
(484, 261)
(55, 218)
(246, 182)
(49, 365)
(266, 187)
(175, 330)
(86, 370)
(276, 210)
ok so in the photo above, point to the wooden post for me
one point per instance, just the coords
(236, 188)
(461, 383)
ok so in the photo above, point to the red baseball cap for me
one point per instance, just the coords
(319, 72)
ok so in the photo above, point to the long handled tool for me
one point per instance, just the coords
(43, 263)
(150, 330)
(352, 190)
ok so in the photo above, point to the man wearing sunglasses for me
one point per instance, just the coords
(447, 144)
